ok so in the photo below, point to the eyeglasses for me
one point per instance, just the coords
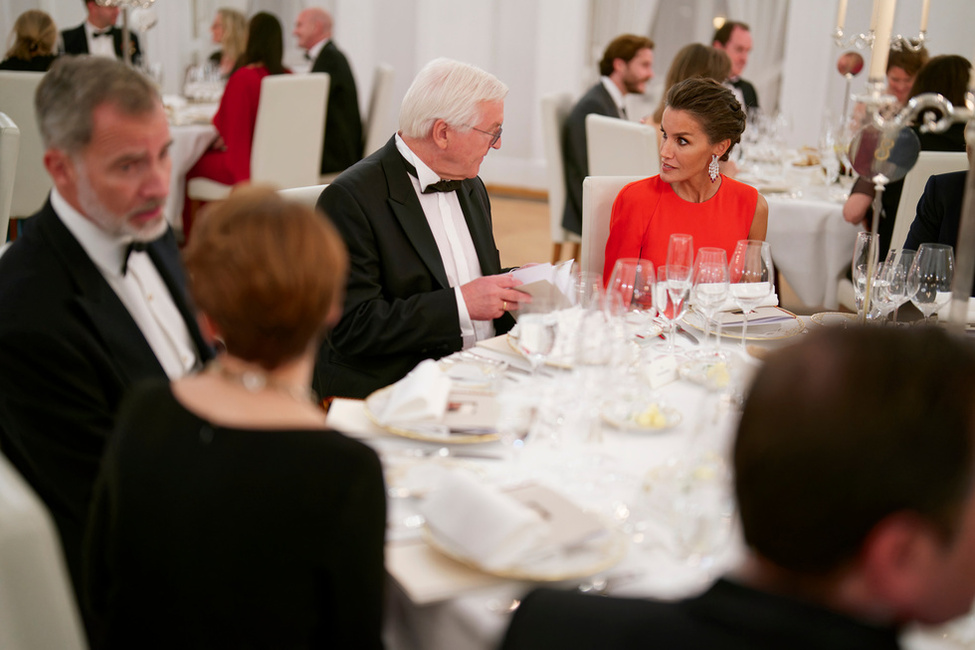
(494, 136)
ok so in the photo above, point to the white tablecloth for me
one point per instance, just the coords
(472, 618)
(189, 143)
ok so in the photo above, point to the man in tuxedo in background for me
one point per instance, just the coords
(856, 506)
(626, 67)
(424, 272)
(98, 35)
(93, 297)
(343, 126)
(735, 39)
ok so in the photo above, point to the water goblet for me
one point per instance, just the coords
(750, 276)
(633, 281)
(898, 262)
(710, 288)
(929, 280)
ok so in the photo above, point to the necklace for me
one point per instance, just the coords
(254, 381)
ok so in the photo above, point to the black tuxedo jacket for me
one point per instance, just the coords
(343, 126)
(68, 351)
(574, 151)
(399, 308)
(748, 92)
(939, 212)
(76, 42)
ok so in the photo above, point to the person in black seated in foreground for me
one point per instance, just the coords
(857, 508)
(227, 514)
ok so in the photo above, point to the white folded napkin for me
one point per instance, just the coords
(420, 395)
(945, 311)
(771, 300)
(490, 528)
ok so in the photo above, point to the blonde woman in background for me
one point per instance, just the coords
(229, 31)
(35, 38)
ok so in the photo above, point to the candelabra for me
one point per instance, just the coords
(125, 5)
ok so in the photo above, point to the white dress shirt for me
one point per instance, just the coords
(449, 227)
(100, 45)
(617, 96)
(141, 290)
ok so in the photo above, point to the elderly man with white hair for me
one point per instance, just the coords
(343, 125)
(425, 274)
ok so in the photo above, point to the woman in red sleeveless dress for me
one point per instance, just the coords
(701, 123)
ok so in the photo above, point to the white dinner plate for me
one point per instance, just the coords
(834, 318)
(427, 431)
(580, 561)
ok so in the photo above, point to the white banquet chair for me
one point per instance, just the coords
(928, 164)
(616, 147)
(598, 195)
(377, 129)
(555, 109)
(9, 147)
(304, 195)
(37, 604)
(287, 146)
(17, 91)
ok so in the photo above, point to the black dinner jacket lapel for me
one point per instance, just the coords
(406, 207)
(109, 319)
(479, 225)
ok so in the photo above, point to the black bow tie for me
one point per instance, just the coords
(133, 247)
(107, 32)
(439, 186)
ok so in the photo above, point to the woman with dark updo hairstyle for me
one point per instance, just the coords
(701, 122)
(227, 514)
(34, 39)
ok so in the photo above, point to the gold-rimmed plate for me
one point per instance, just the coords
(461, 408)
(580, 561)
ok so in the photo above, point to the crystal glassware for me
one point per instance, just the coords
(750, 276)
(929, 280)
(710, 288)
(632, 281)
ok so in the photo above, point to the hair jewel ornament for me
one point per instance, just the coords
(713, 168)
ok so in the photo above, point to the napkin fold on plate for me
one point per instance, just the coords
(492, 529)
(945, 311)
(421, 395)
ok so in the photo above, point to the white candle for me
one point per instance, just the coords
(881, 41)
(924, 14)
(873, 15)
(841, 15)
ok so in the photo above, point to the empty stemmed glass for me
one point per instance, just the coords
(865, 256)
(632, 281)
(929, 280)
(750, 276)
(680, 251)
(710, 289)
(673, 284)
(898, 264)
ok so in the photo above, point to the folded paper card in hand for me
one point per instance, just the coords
(553, 282)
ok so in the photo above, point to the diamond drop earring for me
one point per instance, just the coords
(713, 168)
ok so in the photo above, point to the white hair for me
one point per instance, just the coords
(448, 90)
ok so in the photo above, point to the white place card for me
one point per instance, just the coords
(661, 371)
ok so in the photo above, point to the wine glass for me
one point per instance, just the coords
(633, 281)
(537, 328)
(884, 291)
(673, 284)
(750, 276)
(710, 287)
(680, 251)
(898, 262)
(929, 280)
(865, 255)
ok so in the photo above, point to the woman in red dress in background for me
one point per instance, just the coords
(701, 123)
(228, 160)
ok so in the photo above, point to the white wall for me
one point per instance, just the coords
(535, 46)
